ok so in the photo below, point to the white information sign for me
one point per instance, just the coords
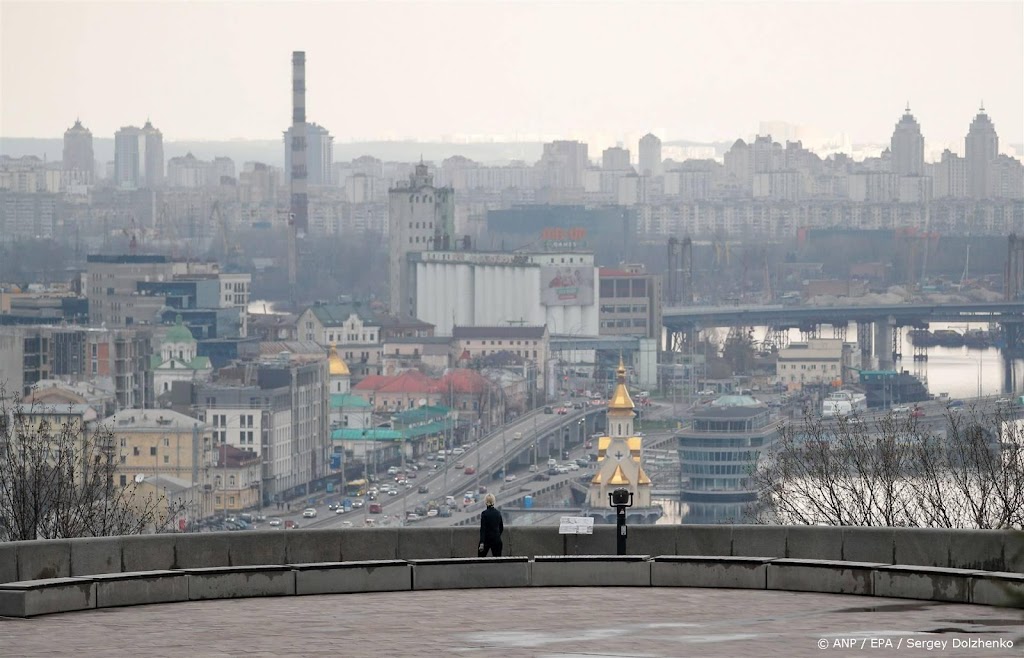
(576, 525)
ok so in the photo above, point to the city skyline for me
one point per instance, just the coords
(499, 82)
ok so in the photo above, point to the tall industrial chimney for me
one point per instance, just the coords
(300, 203)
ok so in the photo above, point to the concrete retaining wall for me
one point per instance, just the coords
(822, 576)
(989, 550)
(471, 573)
(46, 596)
(944, 565)
(240, 582)
(710, 571)
(931, 583)
(26, 599)
(141, 588)
(591, 571)
(352, 577)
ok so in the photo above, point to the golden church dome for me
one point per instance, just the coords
(337, 364)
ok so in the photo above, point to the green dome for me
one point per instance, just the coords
(179, 333)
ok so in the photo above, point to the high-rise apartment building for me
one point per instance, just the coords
(319, 153)
(650, 155)
(78, 155)
(153, 162)
(615, 158)
(907, 147)
(138, 157)
(562, 164)
(981, 150)
(421, 217)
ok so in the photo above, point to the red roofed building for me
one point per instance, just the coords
(411, 389)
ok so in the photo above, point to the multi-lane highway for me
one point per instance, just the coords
(486, 457)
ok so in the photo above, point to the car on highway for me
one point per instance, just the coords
(392, 492)
(469, 470)
(511, 477)
(376, 508)
(274, 522)
(583, 462)
(549, 410)
(432, 512)
(918, 412)
(290, 525)
(412, 517)
(577, 405)
(901, 409)
(423, 489)
(411, 475)
(459, 451)
(309, 513)
(459, 464)
(340, 510)
(357, 503)
(562, 411)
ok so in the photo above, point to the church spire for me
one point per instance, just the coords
(621, 402)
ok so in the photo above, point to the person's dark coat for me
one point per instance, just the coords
(491, 527)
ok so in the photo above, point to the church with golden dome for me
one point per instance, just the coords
(619, 460)
(341, 378)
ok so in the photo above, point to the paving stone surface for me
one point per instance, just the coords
(509, 623)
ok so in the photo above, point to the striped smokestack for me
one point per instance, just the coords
(299, 204)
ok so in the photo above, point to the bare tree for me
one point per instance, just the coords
(57, 480)
(968, 473)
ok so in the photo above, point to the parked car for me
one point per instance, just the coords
(309, 513)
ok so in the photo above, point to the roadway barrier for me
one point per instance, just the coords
(946, 565)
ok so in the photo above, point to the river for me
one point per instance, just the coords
(958, 371)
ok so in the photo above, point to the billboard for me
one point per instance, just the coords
(567, 286)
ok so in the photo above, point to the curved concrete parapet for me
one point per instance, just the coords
(51, 595)
(41, 577)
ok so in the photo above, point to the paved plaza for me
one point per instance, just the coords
(509, 623)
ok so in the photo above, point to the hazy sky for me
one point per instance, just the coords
(697, 70)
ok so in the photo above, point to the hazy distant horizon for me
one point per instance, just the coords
(603, 72)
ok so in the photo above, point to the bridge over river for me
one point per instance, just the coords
(878, 325)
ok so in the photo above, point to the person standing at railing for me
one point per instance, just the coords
(491, 527)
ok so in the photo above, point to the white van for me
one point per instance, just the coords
(552, 462)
